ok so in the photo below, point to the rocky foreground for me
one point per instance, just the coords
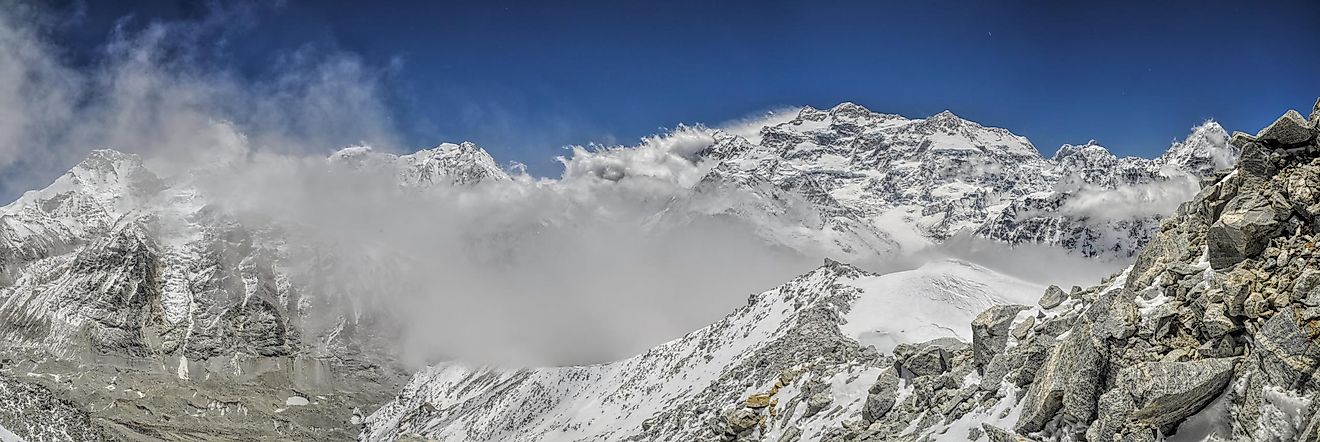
(1212, 334)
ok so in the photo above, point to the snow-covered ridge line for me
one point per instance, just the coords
(809, 327)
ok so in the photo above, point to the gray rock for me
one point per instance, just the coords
(1241, 139)
(816, 403)
(1255, 165)
(1022, 330)
(927, 361)
(1291, 129)
(1306, 288)
(1067, 384)
(990, 331)
(1315, 112)
(881, 397)
(1157, 395)
(1285, 353)
(1242, 231)
(742, 420)
(996, 434)
(1215, 321)
(1053, 297)
(791, 434)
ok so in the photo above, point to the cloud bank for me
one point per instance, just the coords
(589, 267)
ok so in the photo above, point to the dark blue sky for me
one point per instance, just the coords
(524, 78)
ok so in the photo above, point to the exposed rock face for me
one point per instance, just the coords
(861, 172)
(156, 314)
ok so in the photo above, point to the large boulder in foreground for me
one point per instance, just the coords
(1155, 396)
(1286, 355)
(990, 332)
(1291, 129)
(1243, 230)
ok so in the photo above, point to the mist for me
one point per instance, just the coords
(587, 267)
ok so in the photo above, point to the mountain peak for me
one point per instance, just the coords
(461, 163)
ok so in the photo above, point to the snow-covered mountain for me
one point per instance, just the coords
(156, 307)
(811, 340)
(449, 163)
(114, 266)
(1210, 335)
(891, 182)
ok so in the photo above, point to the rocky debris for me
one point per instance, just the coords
(35, 414)
(1223, 296)
(1053, 297)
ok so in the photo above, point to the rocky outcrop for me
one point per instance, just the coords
(990, 332)
(1216, 321)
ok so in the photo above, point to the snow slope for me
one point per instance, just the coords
(809, 326)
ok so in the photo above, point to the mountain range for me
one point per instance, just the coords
(138, 303)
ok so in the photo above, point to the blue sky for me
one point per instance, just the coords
(524, 79)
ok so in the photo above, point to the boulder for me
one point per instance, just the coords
(1156, 396)
(1022, 330)
(1254, 166)
(1241, 139)
(791, 434)
(1315, 112)
(1068, 383)
(816, 403)
(1286, 355)
(1242, 231)
(882, 395)
(1053, 297)
(927, 358)
(1215, 321)
(1291, 129)
(996, 434)
(990, 331)
(742, 420)
(1306, 288)
(757, 401)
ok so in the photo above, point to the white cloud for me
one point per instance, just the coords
(1157, 198)
(750, 127)
(670, 157)
(162, 91)
(534, 271)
